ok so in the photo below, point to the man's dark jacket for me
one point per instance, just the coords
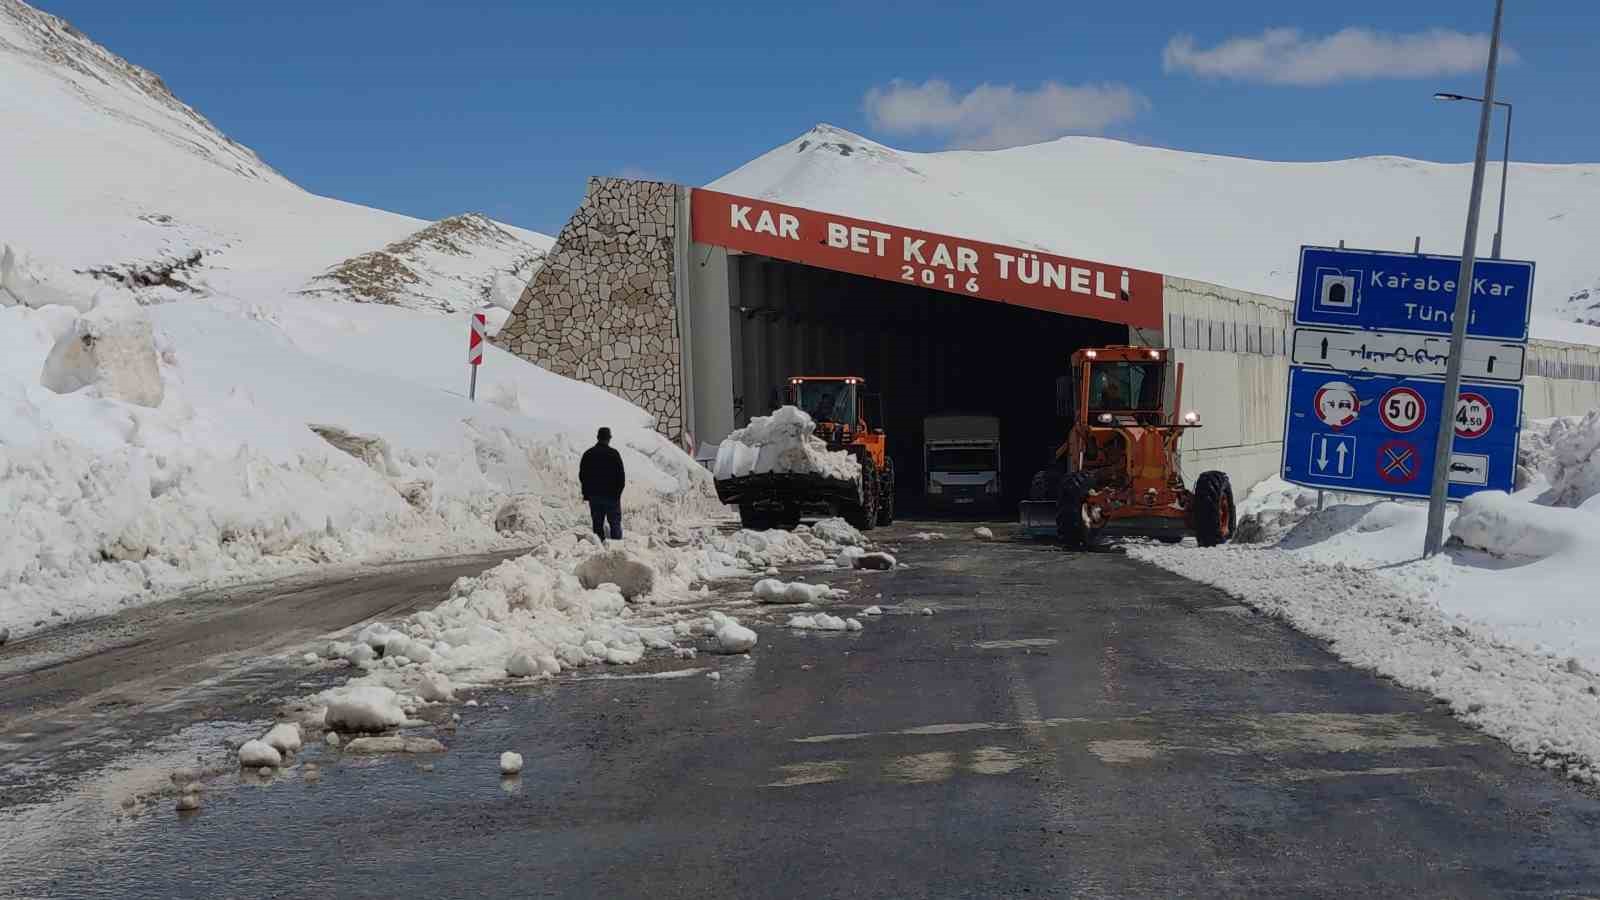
(600, 473)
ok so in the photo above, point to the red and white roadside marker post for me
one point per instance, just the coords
(480, 330)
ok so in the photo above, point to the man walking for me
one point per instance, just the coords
(601, 477)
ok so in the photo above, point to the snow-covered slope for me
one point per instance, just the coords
(1232, 221)
(454, 265)
(111, 180)
(184, 398)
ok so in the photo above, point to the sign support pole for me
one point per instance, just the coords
(1458, 324)
(472, 388)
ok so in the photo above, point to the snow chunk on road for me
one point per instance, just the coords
(770, 590)
(848, 556)
(510, 763)
(877, 561)
(259, 753)
(819, 622)
(731, 636)
(632, 577)
(983, 533)
(852, 624)
(393, 743)
(838, 532)
(363, 708)
(435, 687)
(284, 737)
(784, 442)
(872, 611)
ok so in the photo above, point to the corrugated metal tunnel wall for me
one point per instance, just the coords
(925, 351)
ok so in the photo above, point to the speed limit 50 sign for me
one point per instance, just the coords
(1402, 409)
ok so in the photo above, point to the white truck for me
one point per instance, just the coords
(961, 460)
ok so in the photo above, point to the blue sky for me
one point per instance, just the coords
(503, 106)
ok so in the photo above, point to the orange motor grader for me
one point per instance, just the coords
(1117, 473)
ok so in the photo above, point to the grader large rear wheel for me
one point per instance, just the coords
(1072, 520)
(1214, 513)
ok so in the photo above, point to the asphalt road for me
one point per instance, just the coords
(1063, 725)
(73, 697)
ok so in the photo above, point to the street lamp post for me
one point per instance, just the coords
(1505, 163)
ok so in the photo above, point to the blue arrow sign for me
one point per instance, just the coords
(1375, 434)
(1368, 289)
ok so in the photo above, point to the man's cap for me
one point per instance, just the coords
(603, 434)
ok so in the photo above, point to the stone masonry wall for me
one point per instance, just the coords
(603, 307)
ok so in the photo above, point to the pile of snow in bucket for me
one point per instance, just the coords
(784, 442)
(1503, 625)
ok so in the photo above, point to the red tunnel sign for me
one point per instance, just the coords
(957, 265)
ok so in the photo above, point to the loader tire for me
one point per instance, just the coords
(886, 494)
(1072, 527)
(864, 515)
(753, 519)
(1046, 484)
(1214, 514)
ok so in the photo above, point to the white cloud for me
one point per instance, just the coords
(1000, 115)
(1286, 56)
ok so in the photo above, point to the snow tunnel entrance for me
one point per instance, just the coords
(925, 351)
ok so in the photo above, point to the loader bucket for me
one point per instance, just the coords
(1038, 518)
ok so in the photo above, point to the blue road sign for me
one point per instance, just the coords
(1375, 434)
(1372, 290)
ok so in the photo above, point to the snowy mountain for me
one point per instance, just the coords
(114, 181)
(183, 399)
(1232, 221)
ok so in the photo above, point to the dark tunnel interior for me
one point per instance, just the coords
(925, 351)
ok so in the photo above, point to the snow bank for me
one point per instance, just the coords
(1496, 522)
(784, 442)
(112, 503)
(1573, 468)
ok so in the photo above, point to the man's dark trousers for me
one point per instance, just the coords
(607, 511)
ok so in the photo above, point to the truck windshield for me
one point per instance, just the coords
(1125, 386)
(961, 459)
(827, 401)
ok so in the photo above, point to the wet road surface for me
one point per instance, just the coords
(1063, 725)
(73, 697)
